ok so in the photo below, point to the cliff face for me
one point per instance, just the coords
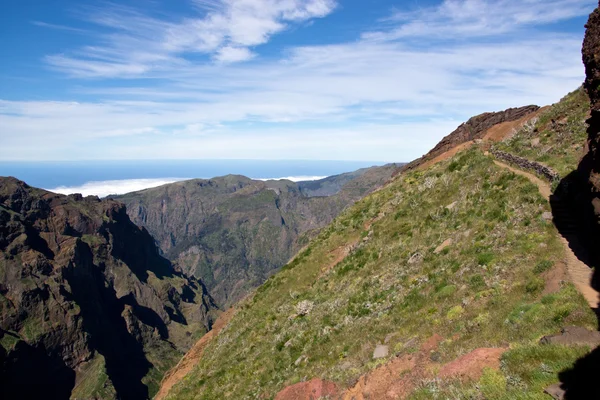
(473, 129)
(88, 307)
(591, 59)
(234, 232)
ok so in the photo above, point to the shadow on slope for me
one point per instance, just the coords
(103, 320)
(30, 373)
(575, 220)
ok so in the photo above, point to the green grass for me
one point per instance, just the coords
(561, 131)
(93, 381)
(8, 341)
(484, 290)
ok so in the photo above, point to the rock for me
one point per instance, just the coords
(90, 282)
(526, 164)
(346, 365)
(475, 128)
(300, 359)
(381, 351)
(186, 217)
(452, 205)
(411, 343)
(547, 216)
(442, 246)
(589, 167)
(555, 391)
(573, 335)
(304, 307)
(415, 258)
(535, 142)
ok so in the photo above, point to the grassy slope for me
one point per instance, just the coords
(483, 290)
(561, 131)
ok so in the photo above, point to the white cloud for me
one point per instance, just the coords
(58, 27)
(233, 54)
(478, 18)
(301, 178)
(385, 99)
(138, 44)
(122, 186)
(105, 188)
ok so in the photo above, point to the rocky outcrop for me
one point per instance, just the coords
(526, 164)
(234, 232)
(590, 165)
(88, 307)
(474, 128)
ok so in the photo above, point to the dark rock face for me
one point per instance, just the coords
(474, 128)
(590, 166)
(234, 232)
(88, 307)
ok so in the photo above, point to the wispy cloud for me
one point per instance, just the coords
(382, 96)
(226, 32)
(478, 18)
(58, 27)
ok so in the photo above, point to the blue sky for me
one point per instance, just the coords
(272, 79)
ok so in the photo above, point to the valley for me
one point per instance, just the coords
(470, 272)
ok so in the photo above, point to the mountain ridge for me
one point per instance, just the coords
(378, 277)
(85, 294)
(233, 232)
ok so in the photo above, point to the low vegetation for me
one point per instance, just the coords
(319, 318)
(557, 137)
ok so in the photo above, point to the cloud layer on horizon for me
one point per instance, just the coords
(122, 186)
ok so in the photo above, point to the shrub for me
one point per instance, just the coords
(454, 313)
(543, 266)
(447, 291)
(485, 258)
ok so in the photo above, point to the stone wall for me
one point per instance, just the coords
(524, 163)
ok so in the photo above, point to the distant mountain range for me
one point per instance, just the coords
(233, 232)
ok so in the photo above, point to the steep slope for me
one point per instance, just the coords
(234, 232)
(475, 128)
(591, 56)
(556, 136)
(362, 180)
(589, 168)
(88, 307)
(442, 271)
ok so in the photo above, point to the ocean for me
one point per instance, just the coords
(102, 178)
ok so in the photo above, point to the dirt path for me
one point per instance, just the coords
(579, 273)
(192, 357)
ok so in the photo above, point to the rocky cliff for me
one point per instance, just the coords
(234, 232)
(590, 166)
(474, 128)
(88, 307)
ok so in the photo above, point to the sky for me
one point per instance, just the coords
(376, 80)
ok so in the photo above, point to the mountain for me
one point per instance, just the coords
(88, 307)
(465, 276)
(476, 128)
(233, 232)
